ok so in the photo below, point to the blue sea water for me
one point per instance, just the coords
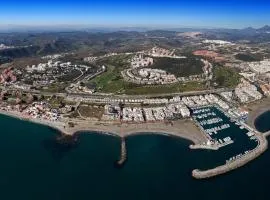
(262, 123)
(34, 166)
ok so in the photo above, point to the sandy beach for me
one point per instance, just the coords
(57, 125)
(256, 109)
(181, 128)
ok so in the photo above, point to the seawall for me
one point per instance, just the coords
(262, 147)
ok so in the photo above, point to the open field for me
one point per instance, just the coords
(56, 87)
(110, 81)
(249, 57)
(91, 111)
(159, 89)
(226, 77)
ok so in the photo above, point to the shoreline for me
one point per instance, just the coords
(57, 126)
(184, 129)
(256, 109)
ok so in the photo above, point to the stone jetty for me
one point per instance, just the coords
(123, 157)
(262, 146)
(266, 134)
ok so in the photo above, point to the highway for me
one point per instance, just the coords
(115, 96)
(123, 96)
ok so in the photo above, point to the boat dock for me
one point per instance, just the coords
(203, 117)
(202, 146)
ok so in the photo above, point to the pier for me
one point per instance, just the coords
(123, 156)
(202, 146)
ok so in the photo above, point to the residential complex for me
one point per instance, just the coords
(246, 92)
(148, 76)
(260, 67)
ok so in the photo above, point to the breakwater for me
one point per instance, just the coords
(229, 166)
(123, 156)
(266, 134)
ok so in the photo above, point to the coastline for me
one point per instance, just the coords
(256, 109)
(184, 129)
(58, 126)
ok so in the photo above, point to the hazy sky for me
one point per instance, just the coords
(166, 13)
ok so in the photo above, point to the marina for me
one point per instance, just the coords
(227, 134)
(216, 123)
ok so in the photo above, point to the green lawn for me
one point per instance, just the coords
(110, 81)
(162, 89)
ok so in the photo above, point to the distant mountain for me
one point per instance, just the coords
(250, 29)
(266, 28)
(77, 28)
(100, 40)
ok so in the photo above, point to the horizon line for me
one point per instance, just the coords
(116, 26)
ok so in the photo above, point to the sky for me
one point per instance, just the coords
(136, 13)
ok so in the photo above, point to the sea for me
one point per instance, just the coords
(35, 166)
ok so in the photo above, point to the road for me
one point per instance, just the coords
(114, 96)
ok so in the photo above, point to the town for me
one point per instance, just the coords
(135, 100)
(207, 84)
